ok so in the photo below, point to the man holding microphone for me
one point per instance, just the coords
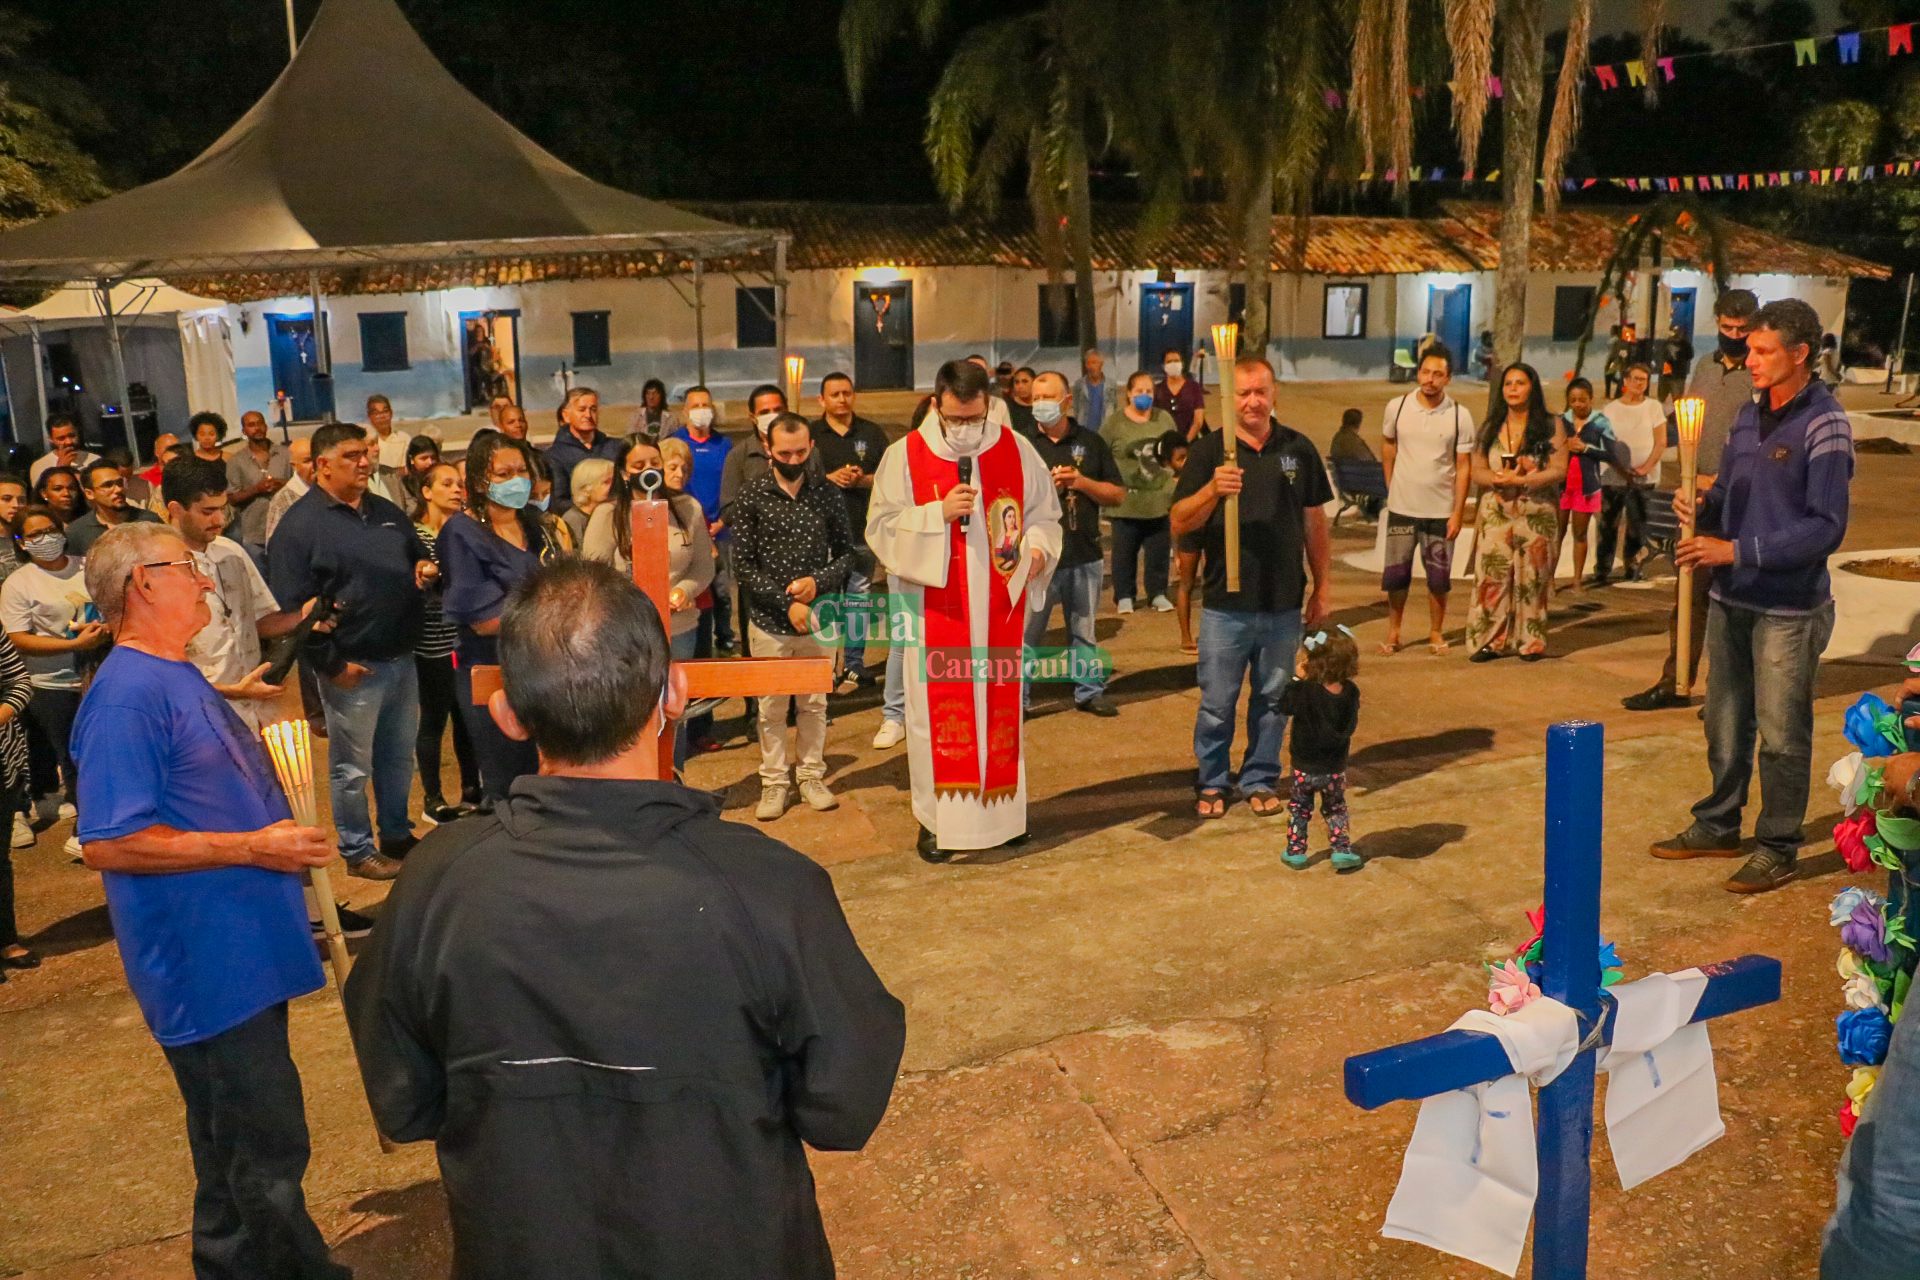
(203, 869)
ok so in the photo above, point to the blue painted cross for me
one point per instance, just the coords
(1571, 975)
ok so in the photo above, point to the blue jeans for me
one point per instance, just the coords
(859, 582)
(501, 759)
(681, 649)
(1874, 1233)
(1077, 592)
(1259, 649)
(1760, 675)
(370, 734)
(893, 699)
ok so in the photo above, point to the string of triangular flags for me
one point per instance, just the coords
(1633, 73)
(1832, 176)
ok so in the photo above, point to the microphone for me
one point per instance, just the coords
(966, 477)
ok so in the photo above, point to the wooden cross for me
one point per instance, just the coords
(1570, 974)
(701, 678)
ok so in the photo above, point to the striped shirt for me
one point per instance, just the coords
(437, 635)
(16, 690)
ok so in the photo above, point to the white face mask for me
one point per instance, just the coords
(1173, 368)
(763, 422)
(965, 438)
(701, 416)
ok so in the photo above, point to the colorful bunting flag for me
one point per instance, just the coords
(1666, 68)
(1494, 88)
(1899, 39)
(1804, 53)
(1849, 42)
(1607, 77)
(1332, 98)
(1636, 73)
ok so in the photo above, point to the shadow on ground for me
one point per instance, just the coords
(405, 1235)
(1382, 764)
(78, 932)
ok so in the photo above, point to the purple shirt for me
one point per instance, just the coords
(1191, 399)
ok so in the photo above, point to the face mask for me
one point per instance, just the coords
(1143, 402)
(965, 438)
(1733, 348)
(790, 470)
(46, 546)
(1173, 368)
(701, 417)
(512, 494)
(1046, 412)
(763, 422)
(540, 504)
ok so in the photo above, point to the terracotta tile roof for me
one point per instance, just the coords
(1464, 236)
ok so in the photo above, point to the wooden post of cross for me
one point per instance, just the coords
(1570, 966)
(705, 678)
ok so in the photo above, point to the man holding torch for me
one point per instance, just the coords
(203, 869)
(1776, 511)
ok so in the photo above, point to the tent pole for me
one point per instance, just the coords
(700, 319)
(105, 289)
(322, 347)
(40, 378)
(293, 37)
(780, 315)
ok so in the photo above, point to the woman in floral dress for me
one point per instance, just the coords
(1520, 464)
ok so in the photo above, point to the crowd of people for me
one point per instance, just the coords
(148, 616)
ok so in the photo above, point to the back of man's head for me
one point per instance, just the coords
(583, 657)
(189, 479)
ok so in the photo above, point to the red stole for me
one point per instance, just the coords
(947, 633)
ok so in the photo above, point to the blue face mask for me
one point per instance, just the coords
(1143, 402)
(1046, 412)
(512, 494)
(540, 504)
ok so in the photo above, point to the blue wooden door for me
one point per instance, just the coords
(883, 335)
(290, 350)
(1450, 314)
(1166, 323)
(1681, 309)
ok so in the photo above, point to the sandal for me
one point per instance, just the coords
(1389, 647)
(1210, 804)
(1264, 804)
(1439, 648)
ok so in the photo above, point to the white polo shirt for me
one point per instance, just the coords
(228, 647)
(1427, 443)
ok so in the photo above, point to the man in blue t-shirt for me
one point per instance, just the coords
(202, 866)
(709, 467)
(1777, 510)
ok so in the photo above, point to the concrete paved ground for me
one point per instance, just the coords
(1125, 1044)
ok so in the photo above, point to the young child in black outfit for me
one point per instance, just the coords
(1324, 704)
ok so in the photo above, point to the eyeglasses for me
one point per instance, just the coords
(163, 564)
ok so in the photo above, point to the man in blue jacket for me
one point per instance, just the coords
(1777, 510)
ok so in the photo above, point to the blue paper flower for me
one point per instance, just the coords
(1863, 1035)
(1873, 728)
(1846, 900)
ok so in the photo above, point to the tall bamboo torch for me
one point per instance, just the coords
(290, 743)
(796, 374)
(1687, 413)
(1226, 347)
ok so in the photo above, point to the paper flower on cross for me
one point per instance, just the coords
(1850, 839)
(1861, 1085)
(1863, 1035)
(1848, 965)
(1874, 727)
(1848, 776)
(1511, 990)
(1866, 932)
(1862, 991)
(1845, 901)
(1848, 1119)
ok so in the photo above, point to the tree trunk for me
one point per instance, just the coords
(1080, 243)
(1523, 50)
(1256, 253)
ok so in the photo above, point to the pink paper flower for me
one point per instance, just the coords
(1512, 990)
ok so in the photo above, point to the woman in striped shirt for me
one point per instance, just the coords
(15, 691)
(442, 492)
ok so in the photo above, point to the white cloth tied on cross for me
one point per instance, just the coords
(1663, 1103)
(1471, 1173)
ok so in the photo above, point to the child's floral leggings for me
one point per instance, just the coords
(1332, 790)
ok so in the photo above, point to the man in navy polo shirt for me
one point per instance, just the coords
(202, 866)
(1777, 510)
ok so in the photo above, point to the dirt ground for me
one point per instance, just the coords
(1125, 1043)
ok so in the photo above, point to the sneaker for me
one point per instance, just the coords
(22, 832)
(1766, 869)
(1098, 705)
(1658, 698)
(1162, 605)
(375, 866)
(1298, 861)
(891, 734)
(1347, 860)
(773, 802)
(72, 849)
(848, 683)
(352, 924)
(441, 812)
(1124, 606)
(1695, 843)
(817, 796)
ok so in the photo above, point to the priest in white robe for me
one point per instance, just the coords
(966, 519)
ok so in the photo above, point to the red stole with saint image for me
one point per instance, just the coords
(947, 631)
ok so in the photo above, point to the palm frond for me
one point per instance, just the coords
(1566, 105)
(1400, 97)
(1470, 35)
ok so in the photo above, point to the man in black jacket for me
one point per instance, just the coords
(618, 1016)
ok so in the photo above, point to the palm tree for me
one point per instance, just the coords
(1683, 213)
(1017, 90)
